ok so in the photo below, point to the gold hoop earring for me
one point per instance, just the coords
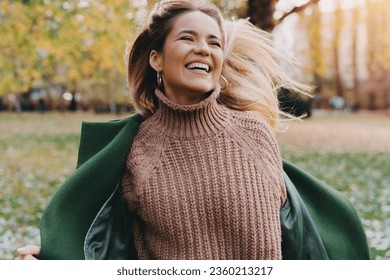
(159, 80)
(225, 82)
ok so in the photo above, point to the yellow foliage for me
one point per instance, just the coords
(87, 68)
(73, 75)
(47, 38)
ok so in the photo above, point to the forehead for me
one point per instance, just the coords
(196, 21)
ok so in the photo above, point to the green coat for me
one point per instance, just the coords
(86, 218)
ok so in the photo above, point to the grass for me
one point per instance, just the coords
(349, 152)
(364, 178)
(37, 153)
(352, 154)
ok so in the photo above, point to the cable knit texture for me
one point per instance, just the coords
(204, 182)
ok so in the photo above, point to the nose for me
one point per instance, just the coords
(202, 48)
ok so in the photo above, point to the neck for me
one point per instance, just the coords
(189, 98)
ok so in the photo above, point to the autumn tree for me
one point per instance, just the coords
(77, 44)
(93, 36)
(262, 14)
(21, 57)
(378, 52)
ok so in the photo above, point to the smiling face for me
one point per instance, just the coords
(191, 60)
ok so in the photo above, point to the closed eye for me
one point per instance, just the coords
(216, 44)
(187, 38)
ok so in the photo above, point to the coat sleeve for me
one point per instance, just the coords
(67, 218)
(333, 215)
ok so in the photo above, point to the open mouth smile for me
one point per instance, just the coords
(199, 66)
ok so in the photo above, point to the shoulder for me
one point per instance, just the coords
(145, 153)
(250, 120)
(255, 135)
(254, 126)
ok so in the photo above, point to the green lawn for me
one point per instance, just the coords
(38, 151)
(352, 154)
(365, 179)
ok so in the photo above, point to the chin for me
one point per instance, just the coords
(204, 89)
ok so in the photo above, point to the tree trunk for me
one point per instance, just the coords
(338, 24)
(355, 32)
(73, 103)
(112, 89)
(260, 13)
(386, 100)
(315, 39)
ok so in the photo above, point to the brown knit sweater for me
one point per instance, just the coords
(204, 182)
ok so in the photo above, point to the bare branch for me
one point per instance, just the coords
(296, 10)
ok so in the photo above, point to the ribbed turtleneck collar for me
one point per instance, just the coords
(205, 117)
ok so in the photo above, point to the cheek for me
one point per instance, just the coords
(172, 58)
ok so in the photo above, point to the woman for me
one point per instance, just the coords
(202, 181)
(203, 178)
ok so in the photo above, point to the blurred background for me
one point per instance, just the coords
(62, 62)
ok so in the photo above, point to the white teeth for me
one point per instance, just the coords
(198, 65)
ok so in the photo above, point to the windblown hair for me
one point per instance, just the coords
(141, 77)
(250, 67)
(253, 72)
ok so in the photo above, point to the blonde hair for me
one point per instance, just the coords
(253, 72)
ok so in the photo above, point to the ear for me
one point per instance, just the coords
(155, 60)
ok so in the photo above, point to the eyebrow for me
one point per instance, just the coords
(192, 32)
